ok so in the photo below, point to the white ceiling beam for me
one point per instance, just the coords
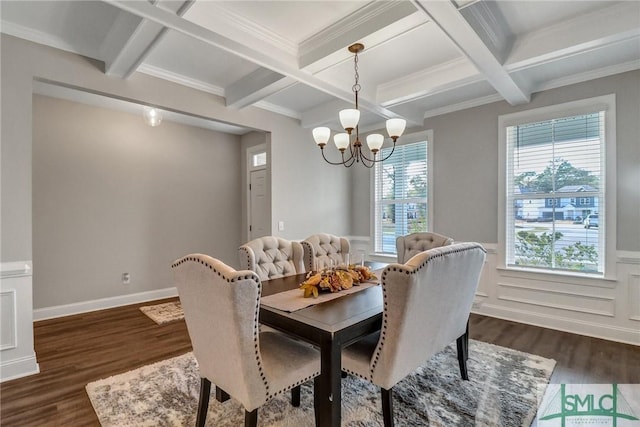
(255, 87)
(455, 26)
(583, 33)
(127, 48)
(490, 25)
(328, 47)
(273, 59)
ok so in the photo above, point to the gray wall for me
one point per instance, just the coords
(113, 195)
(305, 191)
(465, 163)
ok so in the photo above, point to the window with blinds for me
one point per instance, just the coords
(400, 195)
(555, 194)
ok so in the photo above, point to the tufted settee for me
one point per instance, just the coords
(271, 257)
(412, 244)
(323, 248)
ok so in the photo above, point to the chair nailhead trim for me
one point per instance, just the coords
(302, 381)
(349, 371)
(406, 270)
(246, 252)
(256, 329)
(206, 264)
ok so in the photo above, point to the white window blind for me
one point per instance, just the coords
(400, 195)
(555, 197)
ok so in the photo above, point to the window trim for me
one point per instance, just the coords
(606, 103)
(403, 140)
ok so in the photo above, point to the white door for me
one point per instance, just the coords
(258, 209)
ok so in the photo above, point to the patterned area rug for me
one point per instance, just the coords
(502, 391)
(164, 313)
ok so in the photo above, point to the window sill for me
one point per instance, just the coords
(388, 258)
(558, 277)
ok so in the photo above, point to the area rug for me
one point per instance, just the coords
(164, 313)
(502, 391)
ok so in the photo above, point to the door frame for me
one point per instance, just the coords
(250, 152)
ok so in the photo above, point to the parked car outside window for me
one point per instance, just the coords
(591, 221)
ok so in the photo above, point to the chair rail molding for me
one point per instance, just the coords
(17, 353)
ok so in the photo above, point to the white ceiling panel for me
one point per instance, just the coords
(299, 97)
(75, 26)
(186, 56)
(461, 97)
(528, 16)
(415, 51)
(294, 20)
(586, 66)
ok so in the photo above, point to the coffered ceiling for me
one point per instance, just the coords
(421, 58)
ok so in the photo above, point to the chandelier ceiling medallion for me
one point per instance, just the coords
(349, 119)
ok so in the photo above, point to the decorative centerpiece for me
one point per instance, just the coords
(335, 279)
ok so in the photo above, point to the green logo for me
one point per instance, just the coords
(587, 405)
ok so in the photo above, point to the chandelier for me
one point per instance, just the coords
(349, 119)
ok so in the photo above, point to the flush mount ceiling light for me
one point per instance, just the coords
(349, 119)
(152, 116)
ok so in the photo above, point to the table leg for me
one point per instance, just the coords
(327, 386)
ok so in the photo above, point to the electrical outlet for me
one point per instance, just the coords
(281, 226)
(126, 278)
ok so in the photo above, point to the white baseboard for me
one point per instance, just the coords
(101, 304)
(574, 326)
(18, 368)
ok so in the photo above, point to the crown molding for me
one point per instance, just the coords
(463, 105)
(180, 79)
(589, 75)
(577, 35)
(278, 109)
(253, 29)
(42, 38)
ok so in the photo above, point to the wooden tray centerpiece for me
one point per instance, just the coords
(336, 279)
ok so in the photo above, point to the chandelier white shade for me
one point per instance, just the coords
(349, 119)
(395, 127)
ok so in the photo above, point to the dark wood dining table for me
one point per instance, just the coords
(330, 325)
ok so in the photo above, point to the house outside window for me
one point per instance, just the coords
(401, 187)
(551, 157)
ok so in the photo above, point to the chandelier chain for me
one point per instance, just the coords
(356, 86)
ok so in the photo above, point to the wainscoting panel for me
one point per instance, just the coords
(557, 299)
(634, 297)
(17, 354)
(8, 320)
(602, 308)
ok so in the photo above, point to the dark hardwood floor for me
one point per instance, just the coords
(75, 350)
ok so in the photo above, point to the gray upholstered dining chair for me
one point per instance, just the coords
(271, 257)
(412, 244)
(321, 249)
(427, 302)
(221, 308)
